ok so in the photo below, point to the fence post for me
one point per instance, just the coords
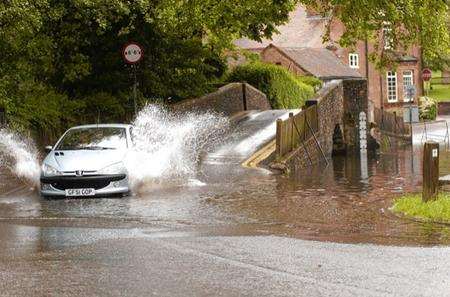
(291, 124)
(430, 170)
(279, 137)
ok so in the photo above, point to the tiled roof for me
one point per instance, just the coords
(320, 62)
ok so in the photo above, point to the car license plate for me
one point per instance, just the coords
(80, 192)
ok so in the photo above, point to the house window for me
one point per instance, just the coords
(408, 81)
(391, 86)
(353, 60)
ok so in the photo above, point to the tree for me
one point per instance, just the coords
(405, 22)
(68, 53)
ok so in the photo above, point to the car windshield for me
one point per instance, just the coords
(102, 138)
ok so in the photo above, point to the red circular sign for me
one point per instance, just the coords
(426, 74)
(132, 53)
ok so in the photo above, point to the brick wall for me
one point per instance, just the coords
(227, 100)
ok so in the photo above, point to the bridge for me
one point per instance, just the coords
(287, 139)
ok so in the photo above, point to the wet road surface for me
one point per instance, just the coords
(135, 265)
(231, 231)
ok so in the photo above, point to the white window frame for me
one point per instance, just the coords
(391, 86)
(353, 60)
(407, 74)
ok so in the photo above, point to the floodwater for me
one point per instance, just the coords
(346, 201)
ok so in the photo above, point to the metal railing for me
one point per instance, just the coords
(432, 134)
(443, 80)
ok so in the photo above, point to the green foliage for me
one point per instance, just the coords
(68, 53)
(406, 22)
(412, 205)
(427, 108)
(312, 81)
(41, 109)
(282, 88)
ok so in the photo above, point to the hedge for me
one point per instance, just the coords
(312, 81)
(283, 89)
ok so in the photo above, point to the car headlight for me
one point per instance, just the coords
(48, 170)
(113, 169)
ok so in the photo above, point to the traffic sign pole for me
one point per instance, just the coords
(135, 89)
(426, 76)
(132, 54)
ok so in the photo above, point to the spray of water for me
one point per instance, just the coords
(20, 156)
(168, 145)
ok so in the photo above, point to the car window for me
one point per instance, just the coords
(94, 139)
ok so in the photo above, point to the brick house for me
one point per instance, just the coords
(305, 30)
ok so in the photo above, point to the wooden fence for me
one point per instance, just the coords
(443, 80)
(391, 123)
(296, 129)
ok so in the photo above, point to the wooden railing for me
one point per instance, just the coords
(443, 80)
(391, 123)
(296, 130)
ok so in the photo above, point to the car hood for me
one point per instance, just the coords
(85, 160)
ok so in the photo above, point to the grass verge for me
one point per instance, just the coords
(440, 93)
(412, 205)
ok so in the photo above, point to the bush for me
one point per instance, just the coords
(283, 89)
(312, 81)
(427, 108)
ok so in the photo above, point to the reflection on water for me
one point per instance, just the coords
(348, 201)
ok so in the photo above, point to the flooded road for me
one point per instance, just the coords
(344, 202)
(266, 234)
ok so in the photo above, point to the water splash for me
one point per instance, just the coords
(168, 145)
(167, 148)
(19, 155)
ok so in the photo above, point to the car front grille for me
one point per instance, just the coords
(85, 182)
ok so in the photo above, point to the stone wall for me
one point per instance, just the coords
(228, 100)
(355, 101)
(330, 107)
(339, 104)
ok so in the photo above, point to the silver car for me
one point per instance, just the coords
(88, 161)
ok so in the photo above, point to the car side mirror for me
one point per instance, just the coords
(48, 148)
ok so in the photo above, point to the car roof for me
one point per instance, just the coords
(102, 126)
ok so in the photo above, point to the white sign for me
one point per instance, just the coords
(434, 153)
(132, 53)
